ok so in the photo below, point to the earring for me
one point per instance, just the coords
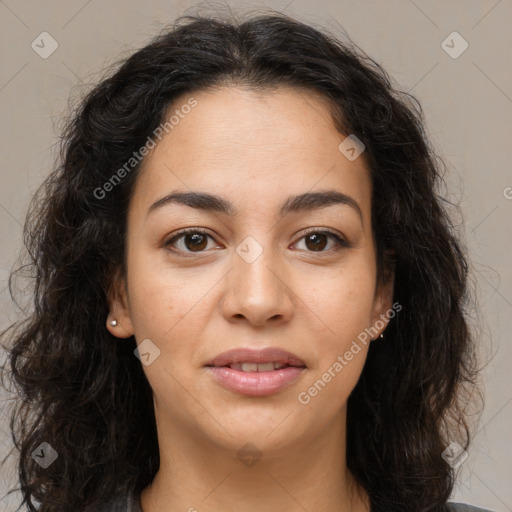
(113, 323)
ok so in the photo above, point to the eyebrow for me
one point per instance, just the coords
(293, 204)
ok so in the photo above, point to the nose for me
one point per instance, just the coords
(257, 290)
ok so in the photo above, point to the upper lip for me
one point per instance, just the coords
(251, 355)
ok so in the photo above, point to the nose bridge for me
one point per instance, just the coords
(253, 264)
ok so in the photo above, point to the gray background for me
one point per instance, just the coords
(468, 106)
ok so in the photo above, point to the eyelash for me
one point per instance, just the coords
(342, 244)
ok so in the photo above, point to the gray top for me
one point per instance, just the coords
(131, 503)
(463, 507)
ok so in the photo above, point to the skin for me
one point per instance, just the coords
(255, 150)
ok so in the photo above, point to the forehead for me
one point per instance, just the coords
(255, 147)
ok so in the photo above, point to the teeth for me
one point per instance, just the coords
(251, 367)
(266, 367)
(256, 367)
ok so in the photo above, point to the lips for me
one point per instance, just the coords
(241, 356)
(256, 372)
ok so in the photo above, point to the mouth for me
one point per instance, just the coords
(249, 359)
(256, 372)
(257, 367)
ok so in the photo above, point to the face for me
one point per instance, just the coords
(258, 270)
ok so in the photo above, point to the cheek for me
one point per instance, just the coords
(159, 295)
(344, 304)
(342, 300)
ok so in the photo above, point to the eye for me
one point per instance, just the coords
(316, 241)
(195, 240)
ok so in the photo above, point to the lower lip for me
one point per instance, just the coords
(256, 383)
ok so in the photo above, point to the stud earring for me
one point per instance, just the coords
(113, 323)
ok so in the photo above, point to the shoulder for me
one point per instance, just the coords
(463, 507)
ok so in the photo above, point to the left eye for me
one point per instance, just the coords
(195, 240)
(317, 240)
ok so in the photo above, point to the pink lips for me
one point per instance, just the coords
(256, 383)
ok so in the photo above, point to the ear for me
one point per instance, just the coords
(119, 309)
(383, 302)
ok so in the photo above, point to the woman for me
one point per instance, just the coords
(248, 294)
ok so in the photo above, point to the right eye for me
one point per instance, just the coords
(194, 240)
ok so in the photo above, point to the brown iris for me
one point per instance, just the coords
(199, 241)
(318, 241)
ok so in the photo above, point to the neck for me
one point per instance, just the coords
(197, 474)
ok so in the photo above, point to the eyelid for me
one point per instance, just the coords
(301, 234)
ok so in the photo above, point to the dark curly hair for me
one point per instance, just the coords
(86, 394)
